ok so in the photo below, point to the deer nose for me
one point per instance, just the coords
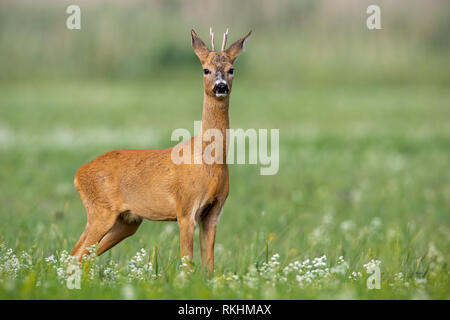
(220, 88)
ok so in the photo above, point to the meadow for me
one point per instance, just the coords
(364, 177)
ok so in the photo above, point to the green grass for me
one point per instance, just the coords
(363, 175)
(364, 146)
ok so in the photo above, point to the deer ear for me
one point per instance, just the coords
(200, 49)
(236, 48)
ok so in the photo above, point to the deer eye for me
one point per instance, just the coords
(206, 71)
(231, 71)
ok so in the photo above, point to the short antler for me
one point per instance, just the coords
(211, 35)
(224, 42)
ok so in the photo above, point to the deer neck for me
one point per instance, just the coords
(215, 114)
(215, 117)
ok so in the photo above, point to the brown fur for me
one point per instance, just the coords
(122, 187)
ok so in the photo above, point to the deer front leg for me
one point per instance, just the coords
(187, 229)
(208, 234)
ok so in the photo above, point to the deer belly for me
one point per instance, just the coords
(152, 207)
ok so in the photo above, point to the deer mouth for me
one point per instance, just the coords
(221, 95)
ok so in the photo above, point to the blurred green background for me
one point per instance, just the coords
(296, 42)
(363, 118)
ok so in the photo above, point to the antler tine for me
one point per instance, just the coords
(211, 36)
(224, 42)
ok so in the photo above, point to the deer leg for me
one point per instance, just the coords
(187, 229)
(79, 243)
(208, 223)
(117, 233)
(99, 223)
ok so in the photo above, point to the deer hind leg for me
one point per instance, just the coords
(79, 243)
(100, 221)
(122, 229)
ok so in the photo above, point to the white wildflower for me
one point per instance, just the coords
(372, 265)
(341, 267)
(139, 267)
(355, 275)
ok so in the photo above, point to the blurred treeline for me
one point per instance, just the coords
(294, 42)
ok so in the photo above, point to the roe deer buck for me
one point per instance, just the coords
(122, 187)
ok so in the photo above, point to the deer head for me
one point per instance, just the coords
(218, 68)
